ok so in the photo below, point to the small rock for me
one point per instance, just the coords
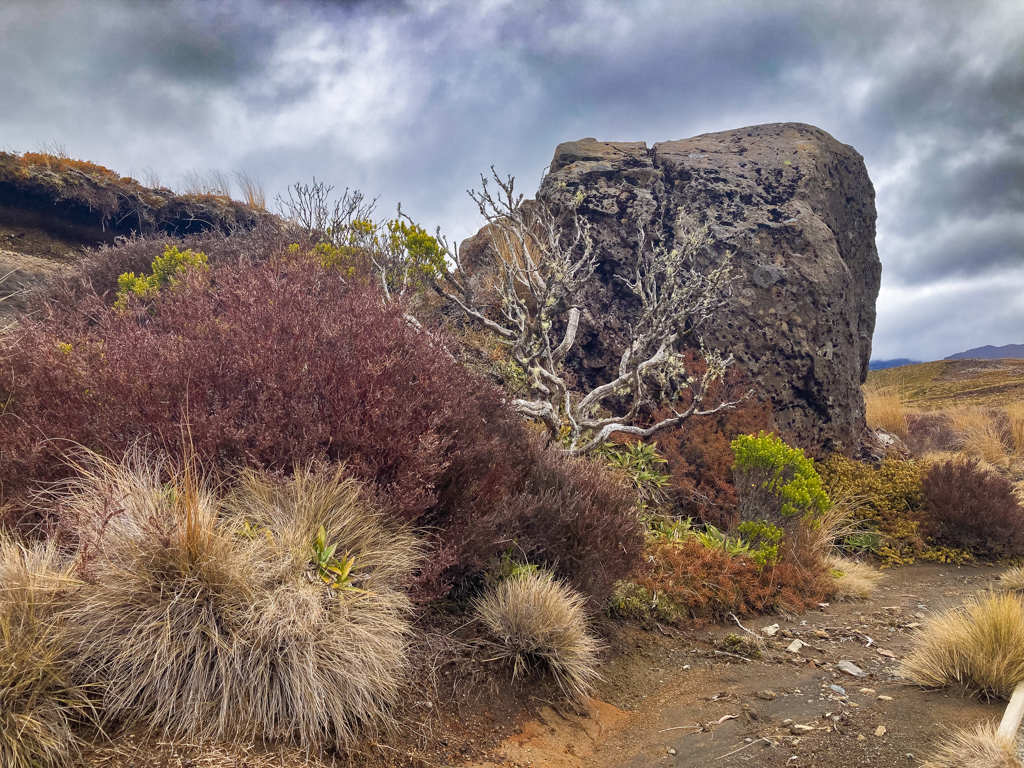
(867, 691)
(880, 731)
(787, 721)
(850, 668)
(887, 654)
(770, 631)
(766, 695)
(820, 633)
(798, 730)
(671, 751)
(861, 737)
(913, 625)
(795, 646)
(838, 689)
(885, 698)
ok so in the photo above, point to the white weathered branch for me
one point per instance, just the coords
(542, 262)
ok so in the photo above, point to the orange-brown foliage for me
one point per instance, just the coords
(707, 584)
(59, 163)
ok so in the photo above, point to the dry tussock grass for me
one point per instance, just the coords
(39, 703)
(854, 580)
(200, 627)
(995, 436)
(535, 619)
(980, 748)
(1012, 580)
(886, 409)
(979, 645)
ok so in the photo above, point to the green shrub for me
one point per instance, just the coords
(776, 482)
(763, 539)
(641, 463)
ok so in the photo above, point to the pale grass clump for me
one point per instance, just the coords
(1015, 427)
(886, 409)
(536, 619)
(207, 619)
(39, 703)
(853, 580)
(982, 747)
(1012, 580)
(837, 522)
(994, 436)
(979, 645)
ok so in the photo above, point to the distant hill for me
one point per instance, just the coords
(989, 352)
(945, 383)
(881, 365)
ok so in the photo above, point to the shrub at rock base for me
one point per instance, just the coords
(201, 622)
(39, 702)
(535, 619)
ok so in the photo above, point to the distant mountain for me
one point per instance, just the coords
(878, 365)
(991, 353)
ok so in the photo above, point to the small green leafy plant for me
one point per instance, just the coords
(335, 572)
(713, 538)
(165, 272)
(642, 464)
(671, 529)
(508, 567)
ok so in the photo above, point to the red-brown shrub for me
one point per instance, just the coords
(971, 508)
(707, 584)
(274, 363)
(699, 458)
(575, 518)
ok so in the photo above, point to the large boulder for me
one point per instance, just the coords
(797, 210)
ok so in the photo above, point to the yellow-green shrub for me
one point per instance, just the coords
(165, 271)
(890, 496)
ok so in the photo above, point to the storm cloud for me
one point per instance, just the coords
(410, 101)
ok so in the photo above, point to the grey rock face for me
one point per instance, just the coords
(797, 210)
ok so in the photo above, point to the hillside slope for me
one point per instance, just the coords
(945, 383)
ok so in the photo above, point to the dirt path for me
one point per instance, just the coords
(676, 702)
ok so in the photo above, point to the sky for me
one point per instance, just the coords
(411, 101)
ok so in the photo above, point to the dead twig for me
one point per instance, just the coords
(763, 738)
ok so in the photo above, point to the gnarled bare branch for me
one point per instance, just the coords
(542, 261)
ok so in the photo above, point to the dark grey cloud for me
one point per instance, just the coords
(412, 100)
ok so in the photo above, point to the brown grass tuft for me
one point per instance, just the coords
(854, 580)
(38, 701)
(979, 645)
(205, 623)
(980, 748)
(536, 619)
(886, 409)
